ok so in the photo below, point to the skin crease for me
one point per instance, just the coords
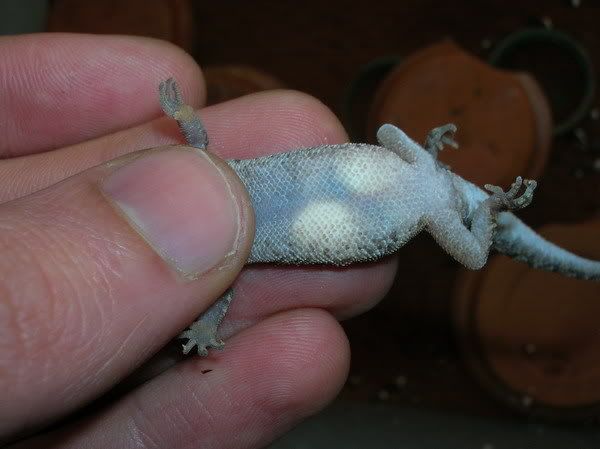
(286, 355)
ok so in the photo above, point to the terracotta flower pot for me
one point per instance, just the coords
(504, 121)
(532, 338)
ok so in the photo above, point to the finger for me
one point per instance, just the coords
(61, 89)
(261, 291)
(247, 127)
(271, 376)
(101, 270)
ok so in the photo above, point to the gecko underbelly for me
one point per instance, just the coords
(331, 205)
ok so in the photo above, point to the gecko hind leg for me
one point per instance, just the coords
(189, 123)
(471, 245)
(203, 332)
(439, 137)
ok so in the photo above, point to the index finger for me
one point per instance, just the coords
(61, 89)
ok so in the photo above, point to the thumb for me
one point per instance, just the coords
(102, 269)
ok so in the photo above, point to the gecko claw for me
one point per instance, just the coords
(509, 200)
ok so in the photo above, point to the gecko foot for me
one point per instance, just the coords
(440, 137)
(510, 200)
(170, 97)
(171, 103)
(196, 338)
(203, 332)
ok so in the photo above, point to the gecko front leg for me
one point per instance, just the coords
(471, 246)
(394, 139)
(440, 137)
(203, 332)
(189, 123)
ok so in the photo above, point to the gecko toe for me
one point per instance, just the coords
(170, 97)
(201, 349)
(201, 337)
(440, 137)
(188, 346)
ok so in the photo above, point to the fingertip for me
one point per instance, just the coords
(296, 362)
(90, 85)
(311, 337)
(328, 129)
(187, 204)
(271, 121)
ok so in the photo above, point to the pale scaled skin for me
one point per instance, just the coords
(348, 203)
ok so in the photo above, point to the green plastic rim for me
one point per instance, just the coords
(525, 37)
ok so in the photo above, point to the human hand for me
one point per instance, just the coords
(85, 299)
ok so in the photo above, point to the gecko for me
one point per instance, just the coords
(356, 202)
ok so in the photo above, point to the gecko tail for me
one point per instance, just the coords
(517, 240)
